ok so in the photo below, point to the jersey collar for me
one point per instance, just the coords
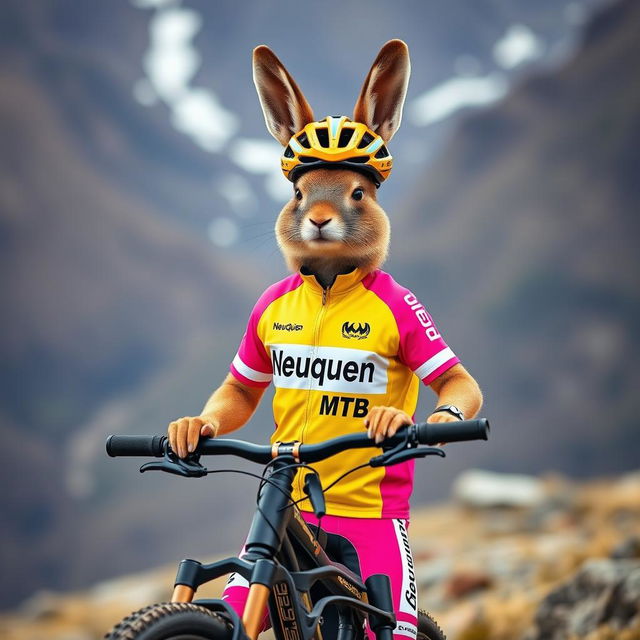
(343, 283)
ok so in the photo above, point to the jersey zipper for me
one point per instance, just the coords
(314, 352)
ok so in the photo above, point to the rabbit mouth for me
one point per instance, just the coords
(323, 238)
(323, 241)
(313, 234)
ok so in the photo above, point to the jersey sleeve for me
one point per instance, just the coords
(252, 365)
(422, 348)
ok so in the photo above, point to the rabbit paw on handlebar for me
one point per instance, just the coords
(383, 422)
(185, 433)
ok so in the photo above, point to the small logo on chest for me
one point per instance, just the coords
(290, 326)
(357, 330)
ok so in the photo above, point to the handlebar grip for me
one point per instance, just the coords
(435, 432)
(135, 446)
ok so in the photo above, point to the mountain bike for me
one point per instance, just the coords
(307, 593)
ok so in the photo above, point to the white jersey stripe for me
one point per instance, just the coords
(331, 369)
(248, 372)
(428, 367)
(409, 593)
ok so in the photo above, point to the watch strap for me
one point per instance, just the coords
(452, 409)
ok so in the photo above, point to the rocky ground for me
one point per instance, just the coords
(509, 558)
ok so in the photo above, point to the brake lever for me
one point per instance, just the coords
(188, 467)
(313, 488)
(395, 457)
(387, 451)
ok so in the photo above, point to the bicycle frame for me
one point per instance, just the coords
(282, 562)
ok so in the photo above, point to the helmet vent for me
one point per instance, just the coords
(288, 153)
(307, 159)
(359, 159)
(304, 141)
(383, 153)
(323, 137)
(367, 139)
(345, 136)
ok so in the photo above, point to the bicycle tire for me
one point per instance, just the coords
(428, 628)
(172, 621)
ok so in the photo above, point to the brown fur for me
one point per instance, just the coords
(285, 108)
(327, 197)
(383, 92)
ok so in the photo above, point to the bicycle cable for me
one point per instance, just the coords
(324, 490)
(335, 482)
(263, 481)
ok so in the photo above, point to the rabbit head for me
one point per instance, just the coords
(333, 222)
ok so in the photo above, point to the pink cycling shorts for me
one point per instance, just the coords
(383, 547)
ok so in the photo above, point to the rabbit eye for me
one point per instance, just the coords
(298, 194)
(358, 194)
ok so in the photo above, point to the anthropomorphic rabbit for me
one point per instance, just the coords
(344, 345)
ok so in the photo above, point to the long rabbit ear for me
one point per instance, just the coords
(381, 99)
(285, 108)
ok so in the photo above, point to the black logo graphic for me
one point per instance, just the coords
(358, 331)
(290, 326)
(330, 406)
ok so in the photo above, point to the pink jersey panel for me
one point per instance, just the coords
(395, 490)
(252, 365)
(422, 348)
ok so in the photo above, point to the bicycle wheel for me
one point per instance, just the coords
(171, 620)
(428, 628)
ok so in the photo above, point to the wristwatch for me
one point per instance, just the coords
(452, 409)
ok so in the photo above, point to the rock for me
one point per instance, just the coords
(135, 592)
(465, 582)
(628, 549)
(461, 619)
(483, 489)
(556, 510)
(433, 572)
(602, 592)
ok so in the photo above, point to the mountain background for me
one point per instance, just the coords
(136, 233)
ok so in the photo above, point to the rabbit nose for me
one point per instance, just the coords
(320, 223)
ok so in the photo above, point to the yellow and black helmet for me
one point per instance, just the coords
(337, 141)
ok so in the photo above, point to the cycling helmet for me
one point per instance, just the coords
(337, 141)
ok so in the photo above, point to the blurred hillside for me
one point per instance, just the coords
(526, 229)
(564, 563)
(119, 315)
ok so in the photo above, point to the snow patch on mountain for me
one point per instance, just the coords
(170, 64)
(518, 45)
(262, 157)
(454, 94)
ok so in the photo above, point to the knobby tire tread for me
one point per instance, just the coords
(428, 628)
(131, 627)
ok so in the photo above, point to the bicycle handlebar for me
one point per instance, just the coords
(148, 446)
(422, 433)
(435, 432)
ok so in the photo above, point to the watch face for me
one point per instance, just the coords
(453, 410)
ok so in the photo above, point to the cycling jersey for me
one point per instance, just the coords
(332, 354)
